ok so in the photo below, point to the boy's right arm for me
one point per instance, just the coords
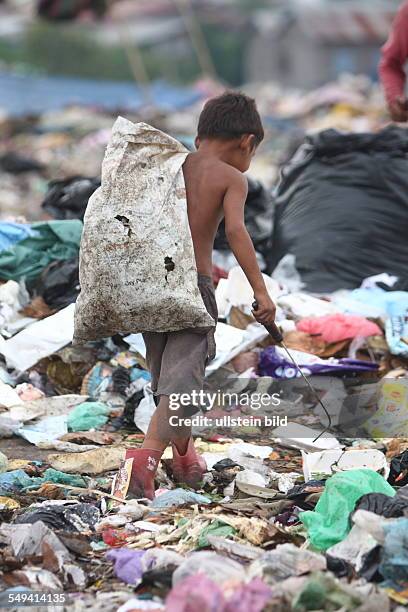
(243, 248)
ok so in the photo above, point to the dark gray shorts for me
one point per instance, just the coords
(177, 360)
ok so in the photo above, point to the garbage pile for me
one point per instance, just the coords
(57, 144)
(304, 505)
(288, 516)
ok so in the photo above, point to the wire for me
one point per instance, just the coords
(313, 390)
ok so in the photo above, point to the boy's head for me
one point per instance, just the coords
(232, 117)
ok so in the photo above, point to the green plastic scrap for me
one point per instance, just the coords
(329, 523)
(57, 477)
(322, 592)
(53, 240)
(216, 528)
(89, 415)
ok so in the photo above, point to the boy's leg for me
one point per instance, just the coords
(161, 431)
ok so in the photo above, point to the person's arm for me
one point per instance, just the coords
(243, 248)
(391, 68)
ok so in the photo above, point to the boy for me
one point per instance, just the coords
(229, 132)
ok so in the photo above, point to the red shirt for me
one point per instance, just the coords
(394, 56)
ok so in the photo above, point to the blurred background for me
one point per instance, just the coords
(68, 67)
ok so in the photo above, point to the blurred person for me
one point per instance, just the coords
(229, 132)
(391, 67)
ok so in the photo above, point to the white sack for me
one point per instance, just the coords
(137, 266)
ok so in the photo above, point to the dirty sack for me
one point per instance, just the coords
(137, 268)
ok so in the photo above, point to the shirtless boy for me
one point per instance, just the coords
(229, 132)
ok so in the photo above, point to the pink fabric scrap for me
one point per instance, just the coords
(338, 327)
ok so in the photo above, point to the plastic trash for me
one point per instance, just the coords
(159, 558)
(199, 592)
(323, 592)
(394, 564)
(89, 415)
(388, 507)
(51, 475)
(331, 461)
(128, 564)
(12, 233)
(8, 503)
(196, 592)
(59, 283)
(216, 567)
(371, 523)
(68, 198)
(329, 524)
(287, 275)
(145, 409)
(216, 528)
(141, 604)
(73, 517)
(354, 547)
(26, 541)
(306, 213)
(45, 430)
(338, 327)
(53, 240)
(275, 362)
(250, 477)
(39, 340)
(13, 481)
(178, 497)
(285, 561)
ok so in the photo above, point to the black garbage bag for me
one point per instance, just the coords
(78, 517)
(370, 567)
(258, 219)
(61, 10)
(342, 209)
(68, 198)
(384, 505)
(58, 284)
(17, 164)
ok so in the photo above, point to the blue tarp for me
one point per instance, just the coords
(11, 233)
(22, 94)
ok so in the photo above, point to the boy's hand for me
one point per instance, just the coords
(265, 313)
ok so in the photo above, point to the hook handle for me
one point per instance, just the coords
(272, 329)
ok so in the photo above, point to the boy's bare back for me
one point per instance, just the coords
(208, 180)
(229, 131)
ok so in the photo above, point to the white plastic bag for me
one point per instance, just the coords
(137, 266)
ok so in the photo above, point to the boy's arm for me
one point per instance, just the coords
(243, 248)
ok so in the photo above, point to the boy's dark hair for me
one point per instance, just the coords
(230, 115)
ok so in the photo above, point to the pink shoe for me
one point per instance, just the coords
(145, 464)
(188, 468)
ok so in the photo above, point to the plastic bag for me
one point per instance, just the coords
(216, 567)
(394, 564)
(329, 523)
(89, 415)
(137, 266)
(342, 209)
(68, 198)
